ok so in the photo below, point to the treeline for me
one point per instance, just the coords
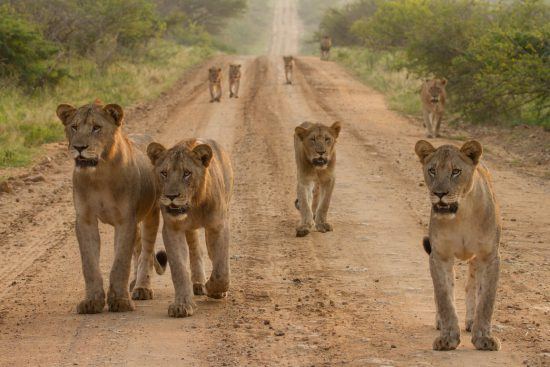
(496, 55)
(36, 36)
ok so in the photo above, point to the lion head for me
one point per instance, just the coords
(182, 173)
(91, 131)
(318, 142)
(448, 173)
(214, 74)
(234, 70)
(435, 89)
(288, 60)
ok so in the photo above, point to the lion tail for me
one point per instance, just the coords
(161, 259)
(427, 245)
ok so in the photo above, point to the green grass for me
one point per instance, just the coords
(379, 70)
(28, 121)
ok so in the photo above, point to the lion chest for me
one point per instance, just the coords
(103, 205)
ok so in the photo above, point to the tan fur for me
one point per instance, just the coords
(196, 181)
(112, 182)
(289, 68)
(433, 97)
(465, 223)
(314, 146)
(326, 45)
(215, 84)
(234, 80)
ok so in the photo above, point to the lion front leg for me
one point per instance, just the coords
(87, 233)
(487, 273)
(118, 297)
(149, 227)
(211, 89)
(428, 123)
(442, 271)
(178, 257)
(217, 243)
(305, 198)
(196, 255)
(325, 192)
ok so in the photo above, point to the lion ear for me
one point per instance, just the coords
(300, 132)
(116, 112)
(154, 151)
(64, 111)
(472, 149)
(423, 149)
(335, 128)
(443, 81)
(203, 153)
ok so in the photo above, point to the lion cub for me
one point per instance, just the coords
(289, 66)
(113, 181)
(215, 84)
(433, 96)
(326, 44)
(234, 80)
(465, 223)
(196, 181)
(315, 162)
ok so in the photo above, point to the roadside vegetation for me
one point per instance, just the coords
(496, 55)
(75, 51)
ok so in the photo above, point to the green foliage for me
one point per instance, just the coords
(495, 56)
(24, 54)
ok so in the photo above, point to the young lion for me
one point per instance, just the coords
(234, 80)
(315, 161)
(215, 84)
(289, 66)
(433, 98)
(196, 181)
(464, 223)
(326, 44)
(113, 182)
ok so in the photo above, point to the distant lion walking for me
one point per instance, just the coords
(289, 66)
(215, 84)
(326, 44)
(234, 80)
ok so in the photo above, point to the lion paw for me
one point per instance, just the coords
(217, 290)
(323, 227)
(142, 294)
(121, 305)
(469, 324)
(429, 135)
(446, 342)
(199, 289)
(302, 231)
(180, 309)
(486, 343)
(89, 306)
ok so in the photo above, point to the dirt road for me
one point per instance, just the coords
(359, 296)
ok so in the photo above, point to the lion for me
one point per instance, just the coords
(326, 44)
(314, 146)
(215, 84)
(289, 67)
(433, 98)
(465, 223)
(196, 181)
(114, 182)
(234, 80)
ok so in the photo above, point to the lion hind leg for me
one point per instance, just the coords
(472, 286)
(147, 259)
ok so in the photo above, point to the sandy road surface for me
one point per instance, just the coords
(359, 296)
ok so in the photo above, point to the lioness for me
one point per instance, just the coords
(113, 182)
(464, 223)
(315, 162)
(196, 181)
(433, 98)
(289, 66)
(234, 80)
(326, 44)
(215, 84)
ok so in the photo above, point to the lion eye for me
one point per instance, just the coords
(456, 172)
(74, 128)
(96, 128)
(186, 174)
(164, 174)
(327, 140)
(431, 171)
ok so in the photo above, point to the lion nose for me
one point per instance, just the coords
(172, 197)
(440, 194)
(80, 148)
